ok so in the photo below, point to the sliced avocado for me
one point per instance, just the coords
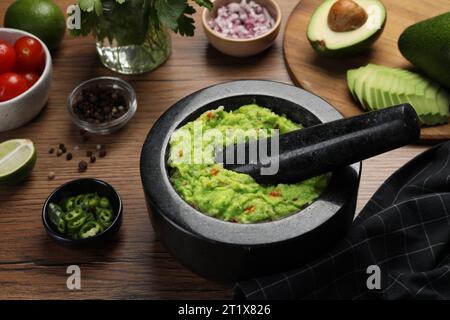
(440, 114)
(359, 85)
(443, 100)
(352, 75)
(377, 87)
(372, 91)
(427, 46)
(386, 86)
(384, 99)
(335, 44)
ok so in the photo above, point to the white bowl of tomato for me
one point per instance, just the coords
(25, 77)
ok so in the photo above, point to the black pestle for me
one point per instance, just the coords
(323, 148)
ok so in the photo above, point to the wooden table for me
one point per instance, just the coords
(135, 265)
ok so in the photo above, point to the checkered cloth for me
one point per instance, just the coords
(404, 230)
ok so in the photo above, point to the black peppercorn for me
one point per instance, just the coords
(102, 153)
(100, 105)
(82, 166)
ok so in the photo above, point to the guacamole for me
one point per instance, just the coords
(225, 194)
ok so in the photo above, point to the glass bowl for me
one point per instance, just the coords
(105, 127)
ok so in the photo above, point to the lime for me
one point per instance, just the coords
(17, 160)
(43, 18)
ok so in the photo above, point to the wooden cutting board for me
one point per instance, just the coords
(327, 77)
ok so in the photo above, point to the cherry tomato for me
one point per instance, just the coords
(7, 57)
(30, 55)
(11, 85)
(31, 78)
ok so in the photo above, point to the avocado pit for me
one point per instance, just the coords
(346, 15)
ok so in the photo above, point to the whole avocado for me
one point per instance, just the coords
(427, 46)
(42, 18)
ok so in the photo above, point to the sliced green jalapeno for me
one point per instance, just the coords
(86, 200)
(93, 202)
(74, 214)
(68, 204)
(90, 229)
(90, 217)
(78, 201)
(104, 215)
(74, 226)
(82, 216)
(61, 227)
(55, 213)
(104, 202)
(105, 225)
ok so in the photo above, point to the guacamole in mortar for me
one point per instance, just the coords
(225, 194)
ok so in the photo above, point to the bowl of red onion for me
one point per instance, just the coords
(242, 28)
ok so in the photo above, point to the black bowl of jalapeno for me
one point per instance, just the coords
(82, 212)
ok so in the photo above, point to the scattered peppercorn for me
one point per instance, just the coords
(88, 153)
(51, 151)
(102, 153)
(99, 104)
(62, 146)
(51, 175)
(99, 147)
(93, 159)
(69, 156)
(82, 166)
(59, 153)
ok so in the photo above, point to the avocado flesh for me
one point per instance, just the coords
(352, 75)
(360, 90)
(373, 92)
(427, 46)
(377, 87)
(357, 87)
(335, 44)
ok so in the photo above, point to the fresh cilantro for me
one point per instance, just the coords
(169, 11)
(127, 21)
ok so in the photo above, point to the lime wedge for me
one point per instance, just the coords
(17, 160)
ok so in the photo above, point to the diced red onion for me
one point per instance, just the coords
(242, 20)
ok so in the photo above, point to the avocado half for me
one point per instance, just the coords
(330, 43)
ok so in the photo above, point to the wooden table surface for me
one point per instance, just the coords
(135, 265)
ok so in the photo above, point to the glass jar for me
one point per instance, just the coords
(107, 83)
(128, 41)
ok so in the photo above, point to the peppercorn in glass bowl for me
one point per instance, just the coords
(102, 105)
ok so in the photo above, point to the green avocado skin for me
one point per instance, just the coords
(427, 46)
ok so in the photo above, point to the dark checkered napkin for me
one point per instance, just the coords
(404, 230)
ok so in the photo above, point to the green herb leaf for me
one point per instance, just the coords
(169, 11)
(98, 6)
(205, 3)
(127, 21)
(186, 26)
(86, 5)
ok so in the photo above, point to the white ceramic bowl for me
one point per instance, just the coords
(21, 109)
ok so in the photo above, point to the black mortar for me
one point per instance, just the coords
(226, 251)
